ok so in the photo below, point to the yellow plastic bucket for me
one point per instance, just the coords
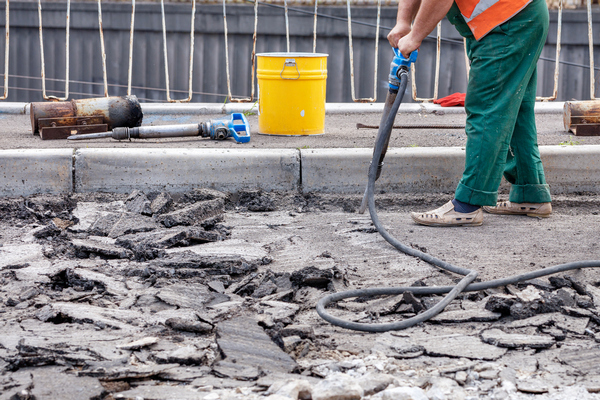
(291, 93)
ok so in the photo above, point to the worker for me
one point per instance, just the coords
(504, 39)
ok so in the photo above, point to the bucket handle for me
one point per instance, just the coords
(289, 62)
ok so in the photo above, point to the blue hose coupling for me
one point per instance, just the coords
(234, 125)
(399, 66)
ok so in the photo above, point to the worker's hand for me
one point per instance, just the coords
(407, 44)
(399, 31)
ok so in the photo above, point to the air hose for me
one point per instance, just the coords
(399, 71)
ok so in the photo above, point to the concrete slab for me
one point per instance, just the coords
(572, 169)
(416, 170)
(568, 169)
(25, 172)
(179, 170)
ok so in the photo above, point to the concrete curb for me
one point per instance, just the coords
(569, 169)
(26, 172)
(416, 170)
(179, 170)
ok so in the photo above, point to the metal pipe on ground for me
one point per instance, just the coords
(112, 112)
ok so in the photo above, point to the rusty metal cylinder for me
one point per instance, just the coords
(582, 117)
(123, 111)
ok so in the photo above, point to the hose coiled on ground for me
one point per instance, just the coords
(465, 285)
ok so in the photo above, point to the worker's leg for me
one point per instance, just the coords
(502, 66)
(524, 168)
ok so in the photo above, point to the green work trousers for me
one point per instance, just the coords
(500, 125)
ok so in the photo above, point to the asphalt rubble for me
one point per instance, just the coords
(119, 301)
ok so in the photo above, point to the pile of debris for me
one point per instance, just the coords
(141, 296)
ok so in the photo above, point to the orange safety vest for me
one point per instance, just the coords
(484, 15)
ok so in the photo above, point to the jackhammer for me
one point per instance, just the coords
(234, 125)
(398, 80)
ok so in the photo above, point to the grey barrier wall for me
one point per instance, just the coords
(209, 73)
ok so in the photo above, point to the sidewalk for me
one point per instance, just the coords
(429, 159)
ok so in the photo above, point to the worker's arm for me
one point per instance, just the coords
(407, 10)
(430, 13)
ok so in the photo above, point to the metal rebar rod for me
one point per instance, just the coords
(6, 52)
(166, 55)
(253, 58)
(315, 28)
(287, 25)
(591, 45)
(557, 63)
(131, 29)
(414, 126)
(351, 52)
(102, 49)
(436, 82)
(42, 62)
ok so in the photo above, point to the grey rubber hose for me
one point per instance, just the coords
(465, 285)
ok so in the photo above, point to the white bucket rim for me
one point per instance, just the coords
(292, 55)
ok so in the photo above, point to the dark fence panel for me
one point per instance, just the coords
(209, 75)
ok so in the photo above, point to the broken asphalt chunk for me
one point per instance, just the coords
(193, 214)
(533, 386)
(257, 201)
(410, 299)
(103, 317)
(161, 392)
(396, 347)
(187, 355)
(500, 303)
(302, 330)
(138, 202)
(500, 338)
(585, 360)
(469, 315)
(531, 302)
(161, 203)
(89, 246)
(138, 344)
(104, 223)
(49, 230)
(119, 372)
(69, 278)
(129, 223)
(458, 345)
(385, 306)
(567, 323)
(54, 383)
(212, 264)
(245, 346)
(185, 295)
(188, 325)
(581, 312)
(312, 276)
(166, 238)
(278, 311)
(203, 194)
